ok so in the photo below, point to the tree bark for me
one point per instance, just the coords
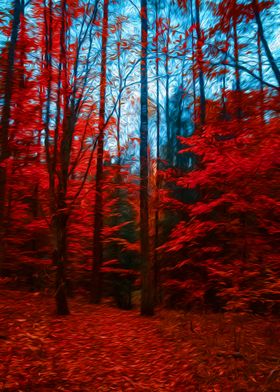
(5, 122)
(120, 100)
(260, 66)
(60, 217)
(59, 224)
(96, 281)
(224, 113)
(147, 291)
(156, 242)
(267, 50)
(193, 70)
(237, 71)
(167, 100)
(200, 64)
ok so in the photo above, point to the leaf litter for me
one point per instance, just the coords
(102, 348)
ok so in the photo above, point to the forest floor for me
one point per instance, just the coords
(101, 348)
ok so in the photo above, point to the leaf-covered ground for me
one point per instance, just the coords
(102, 348)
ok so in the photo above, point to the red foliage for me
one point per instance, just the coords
(232, 231)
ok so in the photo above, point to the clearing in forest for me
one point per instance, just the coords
(102, 348)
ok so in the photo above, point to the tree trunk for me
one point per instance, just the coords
(180, 114)
(119, 112)
(200, 65)
(60, 218)
(5, 121)
(225, 115)
(268, 53)
(59, 224)
(260, 66)
(147, 293)
(48, 21)
(156, 242)
(193, 70)
(167, 100)
(237, 71)
(96, 282)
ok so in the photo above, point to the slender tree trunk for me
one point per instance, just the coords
(59, 224)
(61, 214)
(225, 116)
(260, 63)
(224, 104)
(147, 294)
(167, 98)
(200, 64)
(236, 55)
(269, 55)
(237, 71)
(193, 68)
(260, 66)
(118, 178)
(5, 122)
(48, 20)
(180, 114)
(96, 283)
(156, 243)
(120, 101)
(60, 217)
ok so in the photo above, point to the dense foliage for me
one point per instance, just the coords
(140, 149)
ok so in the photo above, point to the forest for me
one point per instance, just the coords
(139, 195)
